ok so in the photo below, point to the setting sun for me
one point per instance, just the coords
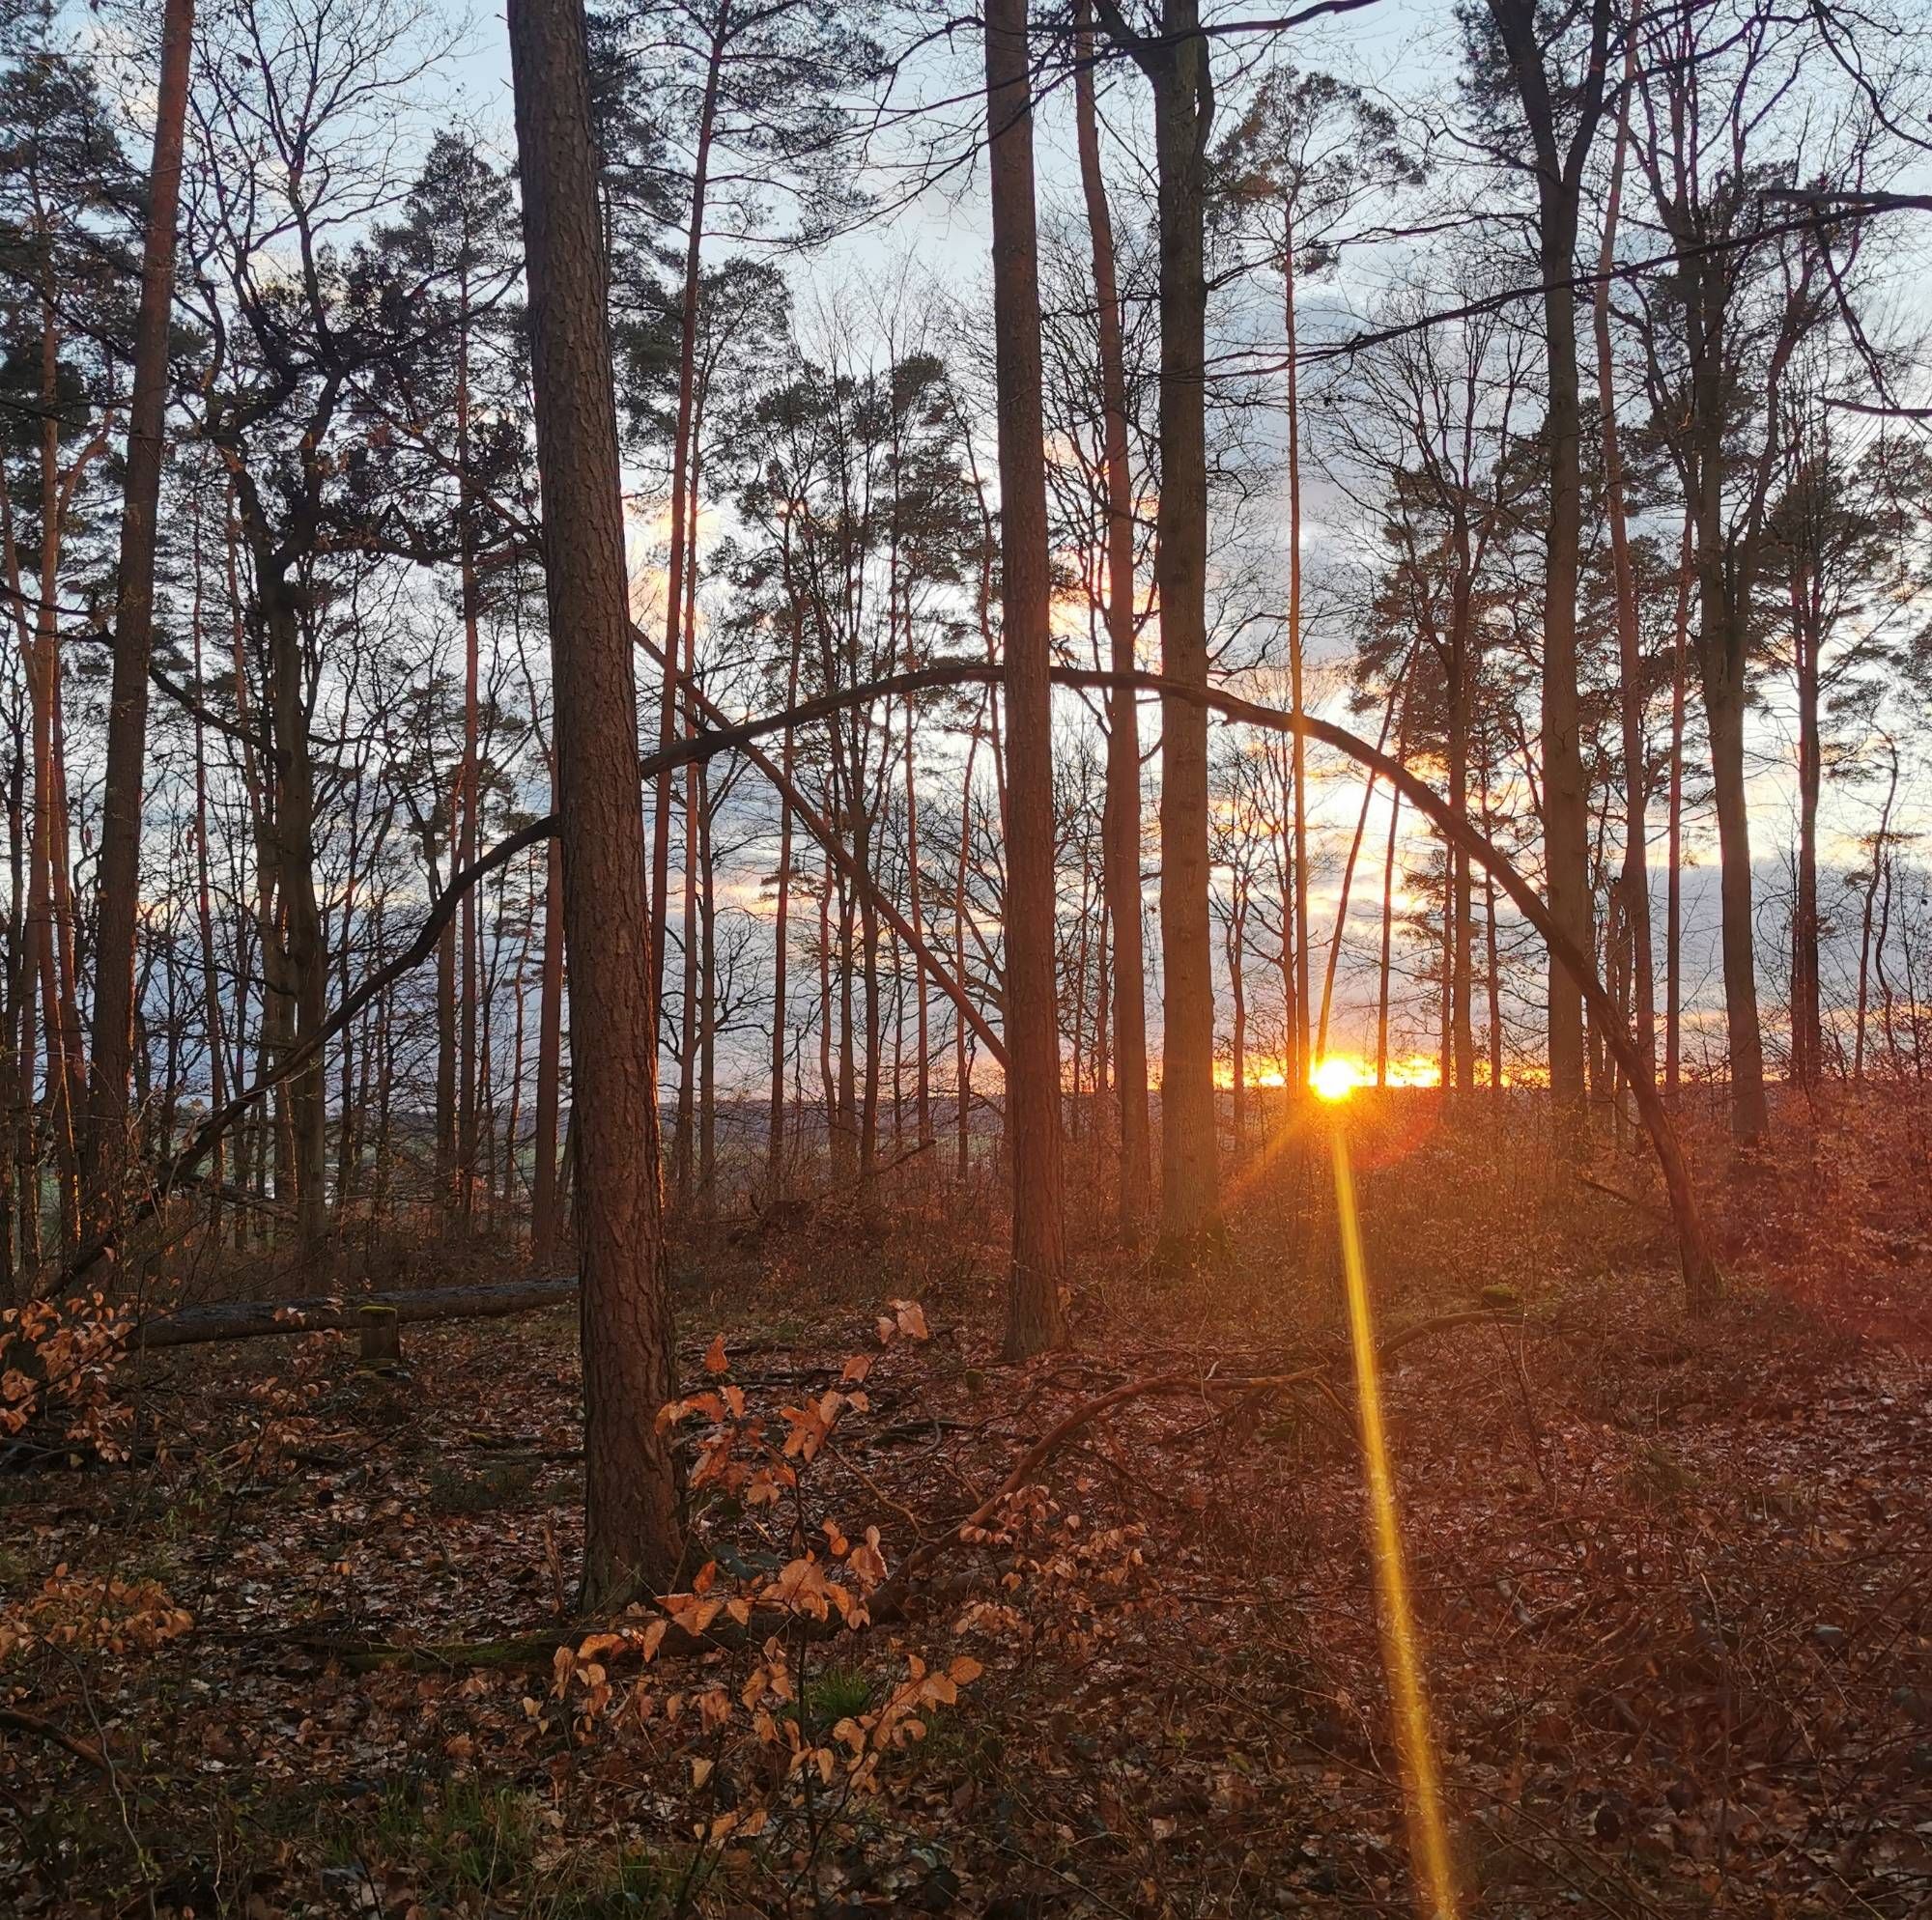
(1334, 1078)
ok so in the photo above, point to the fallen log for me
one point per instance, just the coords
(257, 1320)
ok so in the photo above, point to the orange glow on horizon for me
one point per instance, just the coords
(1404, 1070)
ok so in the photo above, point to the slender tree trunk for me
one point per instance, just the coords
(1808, 1040)
(633, 1525)
(1724, 645)
(1035, 1320)
(304, 943)
(1630, 646)
(1673, 906)
(1237, 994)
(828, 1084)
(50, 816)
(120, 871)
(916, 912)
(1122, 817)
(1349, 872)
(1387, 958)
(1303, 1060)
(1867, 920)
(681, 451)
(684, 1137)
(707, 1015)
(961, 1040)
(447, 1123)
(1566, 799)
(468, 791)
(546, 1213)
(775, 1132)
(210, 975)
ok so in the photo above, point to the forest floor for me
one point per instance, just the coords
(1672, 1582)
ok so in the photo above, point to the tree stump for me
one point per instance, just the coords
(382, 1336)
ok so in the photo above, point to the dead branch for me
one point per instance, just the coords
(23, 1722)
(257, 1320)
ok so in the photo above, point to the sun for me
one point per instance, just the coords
(1334, 1078)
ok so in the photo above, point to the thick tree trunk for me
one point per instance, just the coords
(1035, 1320)
(1184, 104)
(120, 871)
(633, 1525)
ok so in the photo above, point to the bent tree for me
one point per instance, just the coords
(631, 1535)
(1703, 1281)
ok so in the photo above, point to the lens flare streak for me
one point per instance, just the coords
(1401, 1654)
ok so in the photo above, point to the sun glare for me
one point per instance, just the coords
(1334, 1078)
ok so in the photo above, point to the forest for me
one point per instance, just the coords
(965, 961)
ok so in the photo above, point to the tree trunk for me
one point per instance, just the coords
(546, 1213)
(1035, 1320)
(304, 943)
(1674, 908)
(468, 794)
(1630, 650)
(446, 1077)
(1301, 1063)
(681, 445)
(775, 1131)
(1122, 820)
(1184, 104)
(1808, 1040)
(120, 872)
(1725, 719)
(1349, 872)
(633, 1526)
(1566, 801)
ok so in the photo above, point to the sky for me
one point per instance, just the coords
(1401, 51)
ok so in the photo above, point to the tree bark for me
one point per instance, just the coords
(546, 1212)
(1177, 68)
(120, 873)
(1035, 1320)
(1566, 824)
(1302, 1064)
(632, 1524)
(1122, 823)
(1629, 651)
